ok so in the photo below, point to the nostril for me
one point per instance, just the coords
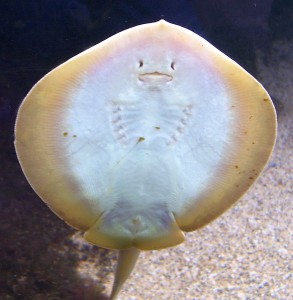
(173, 65)
(140, 63)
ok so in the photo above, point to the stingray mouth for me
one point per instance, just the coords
(155, 77)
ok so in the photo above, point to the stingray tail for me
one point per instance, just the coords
(126, 262)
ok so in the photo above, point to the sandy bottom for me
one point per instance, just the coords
(245, 254)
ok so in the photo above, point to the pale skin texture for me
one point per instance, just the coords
(146, 135)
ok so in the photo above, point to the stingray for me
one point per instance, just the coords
(147, 135)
